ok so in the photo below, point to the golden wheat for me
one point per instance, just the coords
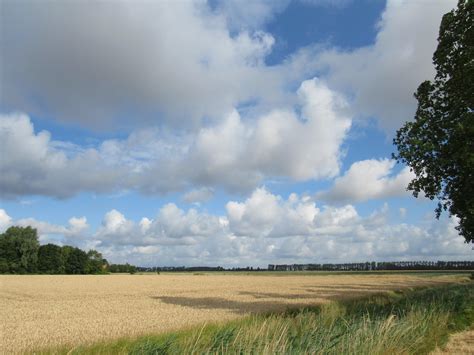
(45, 311)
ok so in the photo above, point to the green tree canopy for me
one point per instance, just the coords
(438, 145)
(20, 253)
(123, 268)
(50, 259)
(75, 260)
(96, 264)
(19, 250)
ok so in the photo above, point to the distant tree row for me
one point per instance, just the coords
(180, 268)
(123, 268)
(21, 253)
(369, 266)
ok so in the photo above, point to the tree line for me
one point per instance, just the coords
(371, 266)
(123, 268)
(21, 253)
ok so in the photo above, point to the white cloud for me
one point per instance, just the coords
(306, 147)
(262, 229)
(146, 250)
(383, 77)
(256, 216)
(74, 231)
(277, 144)
(173, 222)
(169, 77)
(298, 139)
(78, 225)
(368, 179)
(103, 64)
(31, 164)
(172, 226)
(5, 220)
(217, 117)
(198, 196)
(236, 154)
(115, 223)
(145, 224)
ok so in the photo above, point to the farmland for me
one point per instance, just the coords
(41, 311)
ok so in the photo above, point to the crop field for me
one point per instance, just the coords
(42, 311)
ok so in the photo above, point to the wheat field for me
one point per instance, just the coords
(44, 311)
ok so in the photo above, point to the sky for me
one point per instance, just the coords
(231, 133)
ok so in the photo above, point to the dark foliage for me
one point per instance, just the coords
(76, 261)
(438, 145)
(123, 268)
(96, 264)
(20, 253)
(19, 250)
(50, 259)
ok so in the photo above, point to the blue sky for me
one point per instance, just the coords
(218, 133)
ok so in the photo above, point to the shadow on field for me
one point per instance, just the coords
(232, 305)
(308, 295)
(273, 295)
(317, 293)
(268, 301)
(351, 288)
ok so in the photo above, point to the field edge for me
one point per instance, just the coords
(452, 305)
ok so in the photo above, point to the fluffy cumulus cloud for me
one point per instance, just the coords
(278, 144)
(144, 55)
(97, 63)
(266, 215)
(264, 228)
(5, 220)
(116, 65)
(383, 77)
(172, 226)
(74, 232)
(368, 179)
(235, 154)
(203, 115)
(33, 164)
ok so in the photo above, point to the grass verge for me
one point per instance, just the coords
(405, 322)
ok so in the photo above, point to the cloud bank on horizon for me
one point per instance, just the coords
(263, 229)
(179, 103)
